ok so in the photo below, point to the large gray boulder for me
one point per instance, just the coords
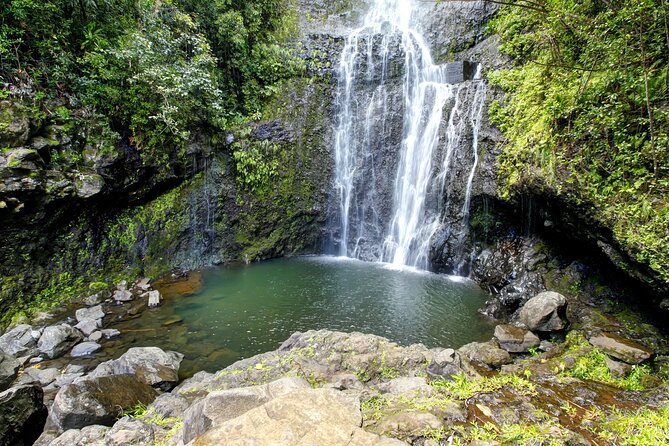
(299, 418)
(20, 341)
(98, 400)
(58, 340)
(22, 415)
(9, 367)
(515, 339)
(92, 313)
(150, 365)
(545, 312)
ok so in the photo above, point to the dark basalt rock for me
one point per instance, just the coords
(98, 400)
(22, 415)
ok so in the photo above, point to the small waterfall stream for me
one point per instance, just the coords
(400, 123)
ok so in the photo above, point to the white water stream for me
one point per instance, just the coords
(368, 73)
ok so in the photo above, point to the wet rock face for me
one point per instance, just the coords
(22, 415)
(9, 367)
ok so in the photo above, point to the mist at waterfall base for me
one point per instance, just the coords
(244, 310)
(402, 124)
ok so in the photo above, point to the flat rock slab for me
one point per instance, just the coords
(300, 418)
(621, 348)
(515, 339)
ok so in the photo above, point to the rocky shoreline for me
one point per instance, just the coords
(558, 372)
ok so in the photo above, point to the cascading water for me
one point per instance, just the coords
(393, 145)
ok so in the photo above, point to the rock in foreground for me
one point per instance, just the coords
(302, 417)
(98, 400)
(22, 415)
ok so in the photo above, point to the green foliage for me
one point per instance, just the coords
(593, 367)
(152, 71)
(256, 166)
(585, 114)
(462, 387)
(644, 427)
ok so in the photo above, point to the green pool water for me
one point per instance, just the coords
(240, 311)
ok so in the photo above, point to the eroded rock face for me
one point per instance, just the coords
(98, 400)
(22, 415)
(545, 312)
(150, 365)
(302, 417)
(58, 340)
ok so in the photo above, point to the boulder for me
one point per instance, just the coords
(95, 336)
(150, 365)
(122, 296)
(223, 405)
(621, 348)
(92, 313)
(143, 284)
(299, 418)
(9, 367)
(515, 339)
(129, 432)
(545, 312)
(88, 326)
(487, 353)
(22, 415)
(89, 184)
(20, 341)
(444, 364)
(98, 400)
(57, 340)
(85, 349)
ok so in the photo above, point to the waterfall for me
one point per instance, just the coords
(399, 124)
